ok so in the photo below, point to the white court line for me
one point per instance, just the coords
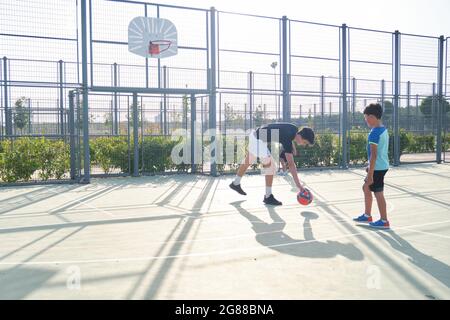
(204, 215)
(213, 253)
(246, 235)
(429, 233)
(84, 203)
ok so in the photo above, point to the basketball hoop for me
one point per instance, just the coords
(156, 47)
(154, 38)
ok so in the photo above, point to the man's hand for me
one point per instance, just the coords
(293, 170)
(369, 179)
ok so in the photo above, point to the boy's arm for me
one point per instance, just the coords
(294, 149)
(373, 158)
(293, 170)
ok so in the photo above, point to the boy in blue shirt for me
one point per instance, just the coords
(377, 150)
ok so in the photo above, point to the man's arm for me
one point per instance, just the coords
(373, 158)
(294, 149)
(293, 170)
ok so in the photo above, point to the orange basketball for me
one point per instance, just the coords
(305, 197)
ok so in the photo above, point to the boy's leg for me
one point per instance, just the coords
(368, 199)
(377, 188)
(283, 165)
(381, 202)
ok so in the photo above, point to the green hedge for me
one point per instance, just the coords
(109, 153)
(324, 152)
(23, 157)
(114, 153)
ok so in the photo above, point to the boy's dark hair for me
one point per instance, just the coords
(307, 134)
(374, 109)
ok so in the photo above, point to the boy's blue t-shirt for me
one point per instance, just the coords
(380, 137)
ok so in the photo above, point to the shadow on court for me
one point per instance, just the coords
(435, 268)
(271, 235)
(184, 227)
(18, 282)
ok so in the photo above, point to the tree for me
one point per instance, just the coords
(388, 108)
(108, 120)
(427, 104)
(21, 114)
(258, 116)
(310, 120)
(131, 116)
(186, 110)
(79, 115)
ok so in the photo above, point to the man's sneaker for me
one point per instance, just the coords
(380, 224)
(363, 218)
(282, 173)
(272, 201)
(237, 188)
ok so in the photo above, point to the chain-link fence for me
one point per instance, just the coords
(233, 72)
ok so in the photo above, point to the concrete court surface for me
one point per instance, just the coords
(191, 237)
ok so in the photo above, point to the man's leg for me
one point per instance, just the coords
(236, 184)
(269, 182)
(269, 171)
(244, 166)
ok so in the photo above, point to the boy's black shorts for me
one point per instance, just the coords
(378, 181)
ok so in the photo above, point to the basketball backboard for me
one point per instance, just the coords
(152, 37)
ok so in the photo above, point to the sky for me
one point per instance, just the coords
(429, 17)
(57, 18)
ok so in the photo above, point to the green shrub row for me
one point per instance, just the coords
(111, 153)
(23, 158)
(20, 159)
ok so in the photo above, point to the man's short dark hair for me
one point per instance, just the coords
(374, 109)
(307, 134)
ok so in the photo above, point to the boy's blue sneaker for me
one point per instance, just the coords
(380, 224)
(363, 218)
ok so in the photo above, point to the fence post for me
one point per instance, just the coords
(116, 114)
(8, 113)
(344, 121)
(396, 98)
(212, 92)
(165, 101)
(284, 70)
(433, 106)
(84, 60)
(250, 84)
(440, 107)
(417, 113)
(193, 134)
(353, 100)
(135, 136)
(72, 134)
(61, 97)
(408, 104)
(30, 129)
(322, 102)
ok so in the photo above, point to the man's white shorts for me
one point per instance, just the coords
(256, 147)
